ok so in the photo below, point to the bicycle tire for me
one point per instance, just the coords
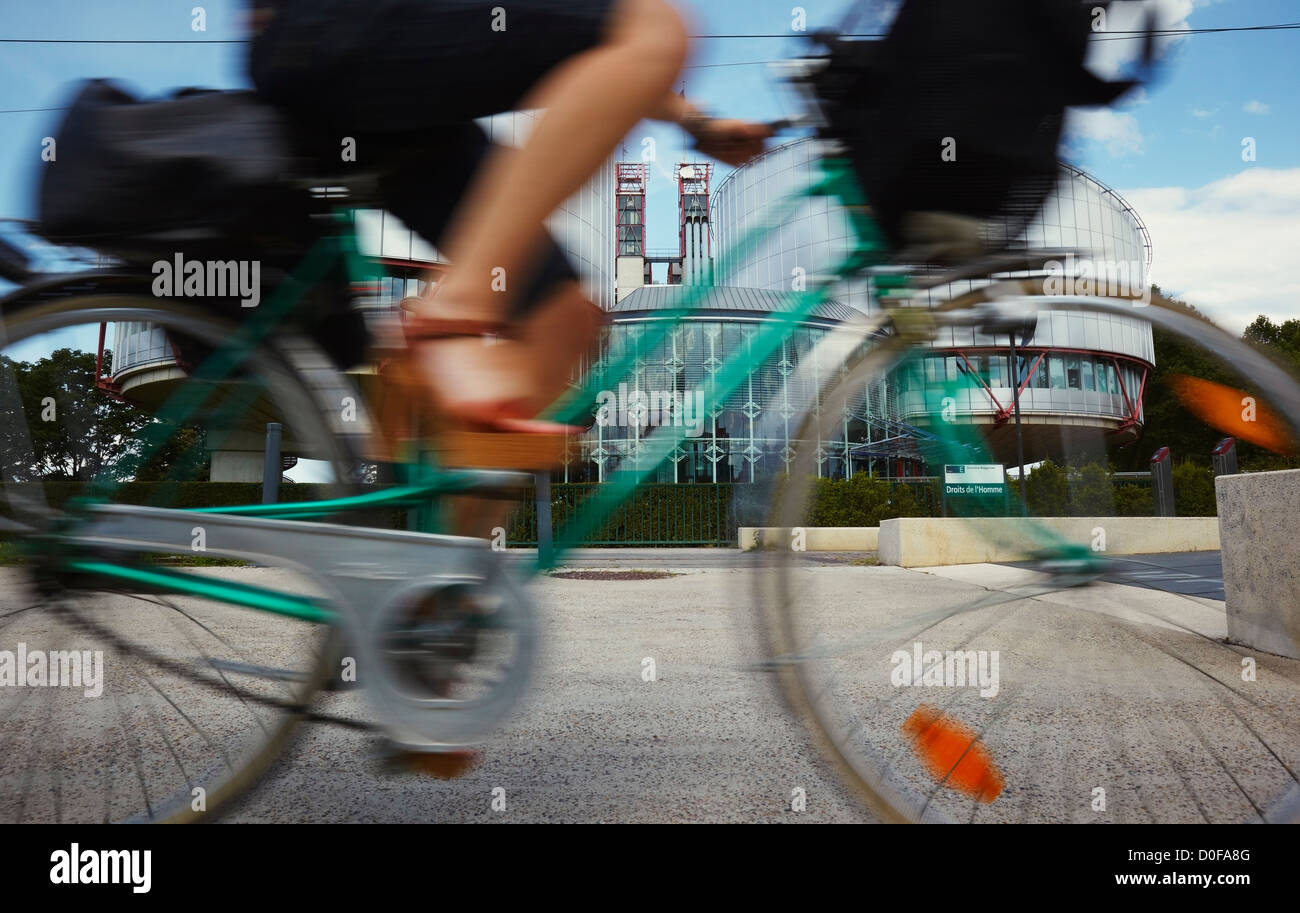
(299, 377)
(793, 656)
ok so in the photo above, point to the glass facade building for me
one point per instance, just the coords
(750, 435)
(1082, 375)
(1083, 214)
(812, 237)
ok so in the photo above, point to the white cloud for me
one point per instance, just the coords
(1116, 130)
(1198, 112)
(1108, 57)
(1228, 247)
(1255, 106)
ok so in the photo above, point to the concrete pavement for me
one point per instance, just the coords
(1117, 687)
(1189, 573)
(1122, 688)
(707, 740)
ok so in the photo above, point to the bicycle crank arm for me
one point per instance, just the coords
(376, 581)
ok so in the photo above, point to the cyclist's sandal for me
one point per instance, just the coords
(501, 435)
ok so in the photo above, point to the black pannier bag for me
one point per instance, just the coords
(133, 177)
(989, 81)
(209, 175)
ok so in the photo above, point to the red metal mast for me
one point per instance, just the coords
(629, 214)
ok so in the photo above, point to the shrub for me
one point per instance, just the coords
(1134, 501)
(865, 501)
(1092, 494)
(1194, 491)
(1047, 491)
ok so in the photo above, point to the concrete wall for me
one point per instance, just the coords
(629, 275)
(1259, 523)
(815, 538)
(237, 466)
(930, 542)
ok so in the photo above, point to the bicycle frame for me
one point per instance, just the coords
(426, 483)
(423, 484)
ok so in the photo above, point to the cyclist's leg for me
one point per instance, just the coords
(557, 322)
(599, 65)
(589, 102)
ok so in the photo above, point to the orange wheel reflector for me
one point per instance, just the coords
(953, 754)
(1233, 412)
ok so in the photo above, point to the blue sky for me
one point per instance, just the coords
(1225, 231)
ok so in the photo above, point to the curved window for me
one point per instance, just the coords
(1056, 372)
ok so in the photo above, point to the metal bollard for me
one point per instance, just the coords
(271, 464)
(1162, 482)
(545, 546)
(1224, 457)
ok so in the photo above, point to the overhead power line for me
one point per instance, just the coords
(698, 66)
(1126, 35)
(1108, 34)
(123, 40)
(1115, 35)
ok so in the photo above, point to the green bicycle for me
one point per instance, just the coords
(204, 670)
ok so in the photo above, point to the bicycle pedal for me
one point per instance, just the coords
(442, 765)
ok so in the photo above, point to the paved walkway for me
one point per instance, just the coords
(1124, 686)
(1186, 573)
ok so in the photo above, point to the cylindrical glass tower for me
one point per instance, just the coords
(1082, 376)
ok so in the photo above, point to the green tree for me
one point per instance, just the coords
(73, 430)
(1092, 493)
(1169, 424)
(1047, 491)
(1194, 490)
(1281, 341)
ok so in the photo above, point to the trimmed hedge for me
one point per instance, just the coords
(865, 501)
(657, 514)
(1194, 491)
(703, 514)
(709, 514)
(1091, 491)
(183, 495)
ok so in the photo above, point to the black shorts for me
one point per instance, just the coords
(414, 74)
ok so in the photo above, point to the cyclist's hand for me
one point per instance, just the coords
(732, 141)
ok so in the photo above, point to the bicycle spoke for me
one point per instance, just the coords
(128, 736)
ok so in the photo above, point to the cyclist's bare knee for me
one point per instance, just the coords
(652, 30)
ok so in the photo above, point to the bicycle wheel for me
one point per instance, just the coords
(148, 704)
(1057, 685)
